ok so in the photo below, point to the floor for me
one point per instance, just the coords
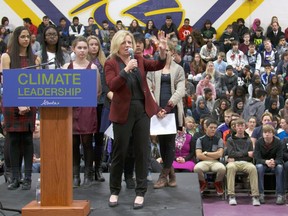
(215, 206)
(182, 200)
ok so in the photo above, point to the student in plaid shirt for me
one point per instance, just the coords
(19, 122)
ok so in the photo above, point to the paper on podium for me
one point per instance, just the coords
(109, 132)
(161, 126)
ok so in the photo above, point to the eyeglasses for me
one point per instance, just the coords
(51, 35)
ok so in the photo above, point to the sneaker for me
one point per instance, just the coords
(232, 200)
(280, 200)
(130, 183)
(203, 185)
(218, 187)
(262, 199)
(149, 177)
(255, 201)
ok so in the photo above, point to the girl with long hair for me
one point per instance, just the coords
(84, 118)
(97, 56)
(151, 28)
(19, 121)
(274, 81)
(189, 48)
(197, 67)
(51, 49)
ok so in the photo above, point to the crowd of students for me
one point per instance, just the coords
(223, 88)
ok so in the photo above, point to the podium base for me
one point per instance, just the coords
(78, 208)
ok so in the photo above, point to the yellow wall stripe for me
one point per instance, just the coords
(243, 11)
(23, 11)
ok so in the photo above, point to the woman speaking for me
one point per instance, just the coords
(131, 108)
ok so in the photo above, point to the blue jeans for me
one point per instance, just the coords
(278, 170)
(285, 175)
(35, 167)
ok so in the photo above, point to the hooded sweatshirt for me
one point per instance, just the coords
(238, 148)
(254, 107)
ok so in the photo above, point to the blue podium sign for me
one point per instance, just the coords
(49, 88)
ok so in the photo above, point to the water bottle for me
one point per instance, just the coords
(38, 192)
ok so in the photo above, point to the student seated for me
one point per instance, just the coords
(184, 151)
(268, 154)
(209, 150)
(240, 156)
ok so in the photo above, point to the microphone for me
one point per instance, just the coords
(131, 52)
(57, 63)
(50, 62)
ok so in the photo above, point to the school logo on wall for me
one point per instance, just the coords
(142, 11)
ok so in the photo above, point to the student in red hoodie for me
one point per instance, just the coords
(28, 24)
(185, 30)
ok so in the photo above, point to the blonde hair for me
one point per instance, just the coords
(267, 114)
(189, 119)
(268, 128)
(228, 112)
(171, 46)
(100, 55)
(118, 39)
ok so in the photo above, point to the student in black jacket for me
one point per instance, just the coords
(268, 154)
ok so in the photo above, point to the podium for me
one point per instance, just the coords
(56, 131)
(56, 167)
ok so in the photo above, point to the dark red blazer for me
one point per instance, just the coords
(121, 93)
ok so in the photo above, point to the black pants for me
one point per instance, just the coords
(21, 142)
(167, 149)
(7, 154)
(129, 161)
(99, 142)
(137, 126)
(86, 141)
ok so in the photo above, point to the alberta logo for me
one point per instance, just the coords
(49, 103)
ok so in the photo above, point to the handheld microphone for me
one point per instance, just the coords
(131, 52)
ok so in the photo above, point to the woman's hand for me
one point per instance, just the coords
(161, 113)
(180, 160)
(170, 103)
(23, 110)
(159, 160)
(110, 95)
(132, 64)
(162, 43)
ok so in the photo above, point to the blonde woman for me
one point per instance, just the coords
(131, 107)
(97, 57)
